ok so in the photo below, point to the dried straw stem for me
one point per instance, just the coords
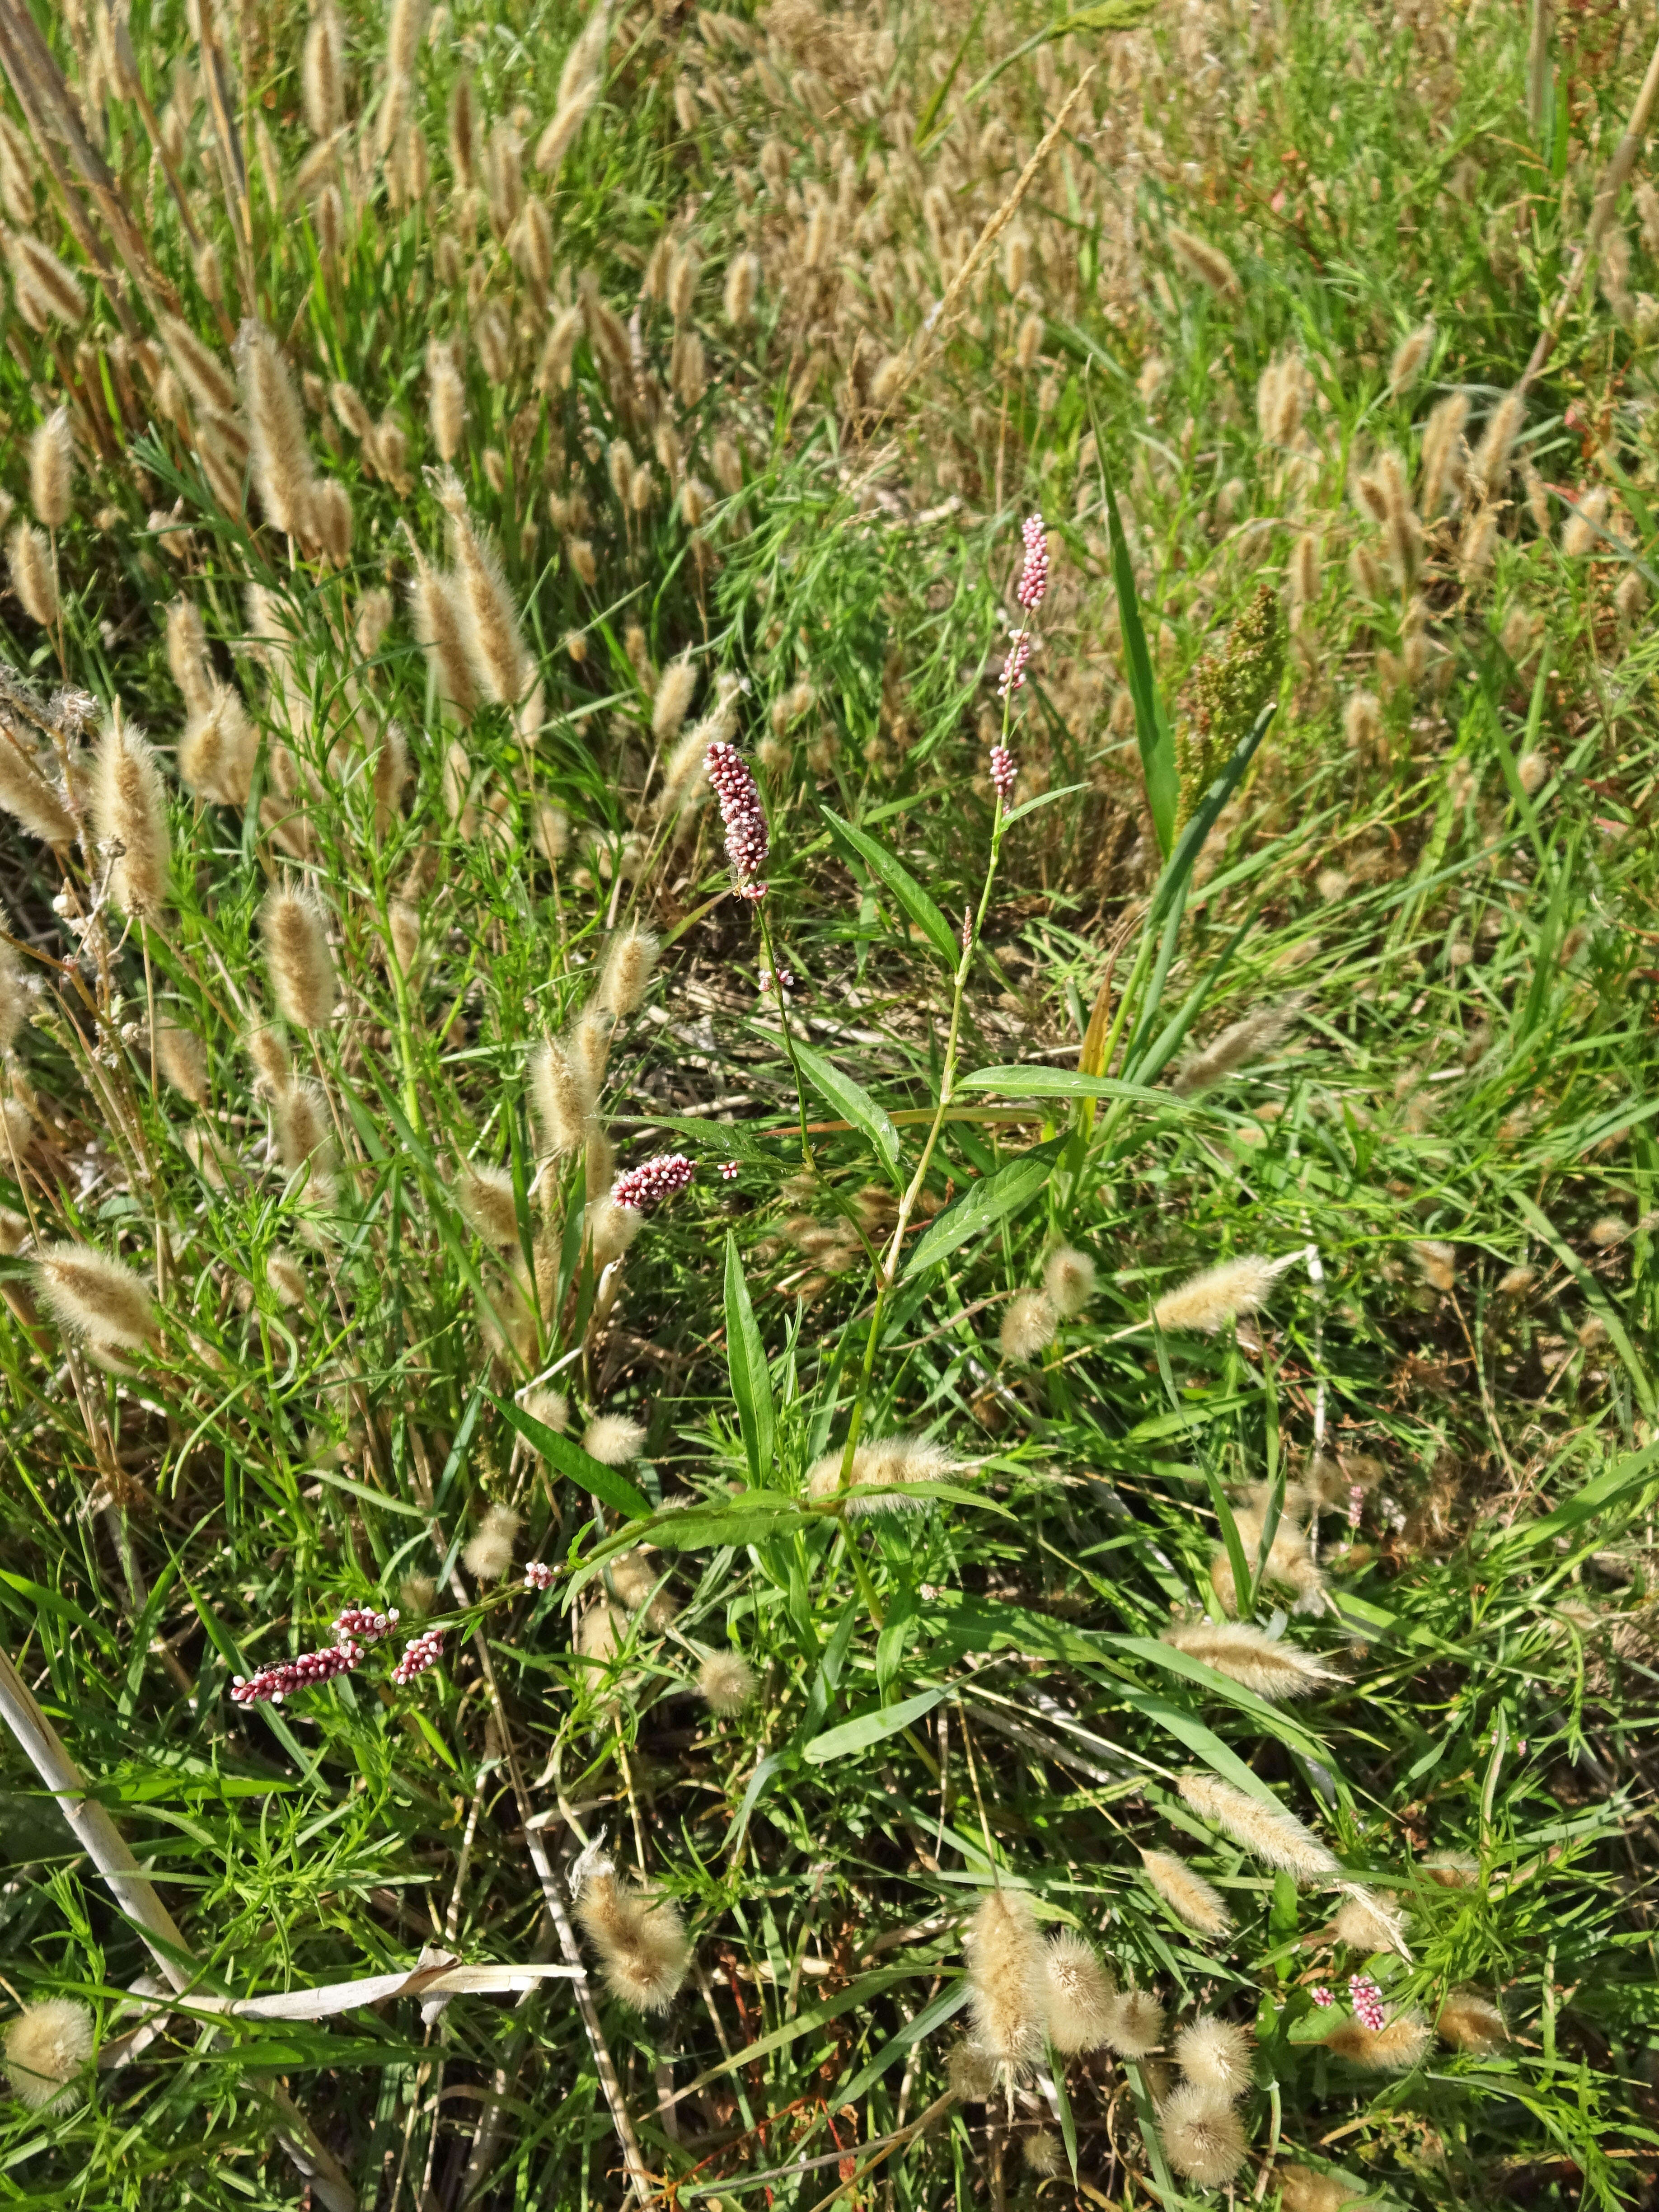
(136, 1894)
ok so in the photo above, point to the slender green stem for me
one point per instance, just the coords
(772, 969)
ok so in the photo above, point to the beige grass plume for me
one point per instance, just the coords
(446, 401)
(188, 661)
(1441, 457)
(322, 73)
(1135, 2024)
(1080, 1993)
(1187, 1893)
(27, 796)
(51, 462)
(1289, 1561)
(640, 1940)
(182, 1058)
(1365, 1923)
(47, 2046)
(44, 282)
(485, 1197)
(580, 83)
(280, 455)
(1393, 2049)
(489, 1553)
(1208, 263)
(1469, 2021)
(489, 631)
(94, 1297)
(1488, 469)
(564, 1103)
(1272, 1833)
(130, 818)
(1007, 1975)
(301, 1113)
(727, 1683)
(613, 1439)
(626, 974)
(1068, 1278)
(297, 957)
(34, 577)
(1214, 2055)
(1301, 2189)
(1204, 2138)
(1029, 1326)
(1409, 356)
(675, 689)
(1237, 1047)
(1207, 1302)
(1244, 1654)
(894, 1460)
(436, 614)
(635, 1576)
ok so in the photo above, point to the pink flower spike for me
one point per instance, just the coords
(1367, 2001)
(1321, 1997)
(425, 1651)
(1002, 771)
(1355, 1504)
(1034, 576)
(274, 1683)
(538, 1576)
(647, 1185)
(357, 1622)
(729, 1170)
(1013, 669)
(746, 839)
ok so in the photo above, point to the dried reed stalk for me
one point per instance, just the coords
(136, 1894)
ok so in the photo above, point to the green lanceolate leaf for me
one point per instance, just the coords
(605, 1483)
(856, 845)
(1012, 1186)
(859, 1734)
(751, 1378)
(1153, 733)
(852, 1100)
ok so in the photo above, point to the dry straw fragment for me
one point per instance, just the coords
(1270, 1832)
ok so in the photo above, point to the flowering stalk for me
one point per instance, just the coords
(646, 1187)
(1367, 2001)
(1033, 583)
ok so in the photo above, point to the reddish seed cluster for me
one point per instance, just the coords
(272, 1683)
(1013, 669)
(746, 839)
(647, 1185)
(1321, 1997)
(784, 979)
(1355, 1504)
(538, 1576)
(728, 1170)
(1367, 1999)
(425, 1651)
(1034, 576)
(1002, 771)
(366, 1627)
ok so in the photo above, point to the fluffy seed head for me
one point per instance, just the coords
(675, 689)
(1069, 1279)
(550, 1407)
(272, 1065)
(1395, 2048)
(1214, 2055)
(489, 1555)
(1301, 2189)
(1188, 1895)
(1209, 1301)
(894, 1460)
(613, 1439)
(1134, 2024)
(130, 809)
(643, 1948)
(14, 1002)
(972, 2076)
(322, 73)
(51, 458)
(1409, 356)
(46, 2046)
(1007, 1973)
(415, 1594)
(726, 1682)
(435, 611)
(1365, 1924)
(1261, 1663)
(1274, 1835)
(611, 1229)
(1029, 1326)
(297, 957)
(182, 1058)
(485, 1196)
(51, 283)
(286, 1276)
(300, 1113)
(1469, 2021)
(92, 1296)
(1204, 2138)
(1237, 1047)
(1079, 1993)
(1043, 2152)
(627, 976)
(1202, 260)
(29, 798)
(281, 458)
(33, 578)
(741, 283)
(491, 636)
(1488, 469)
(564, 1101)
(446, 403)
